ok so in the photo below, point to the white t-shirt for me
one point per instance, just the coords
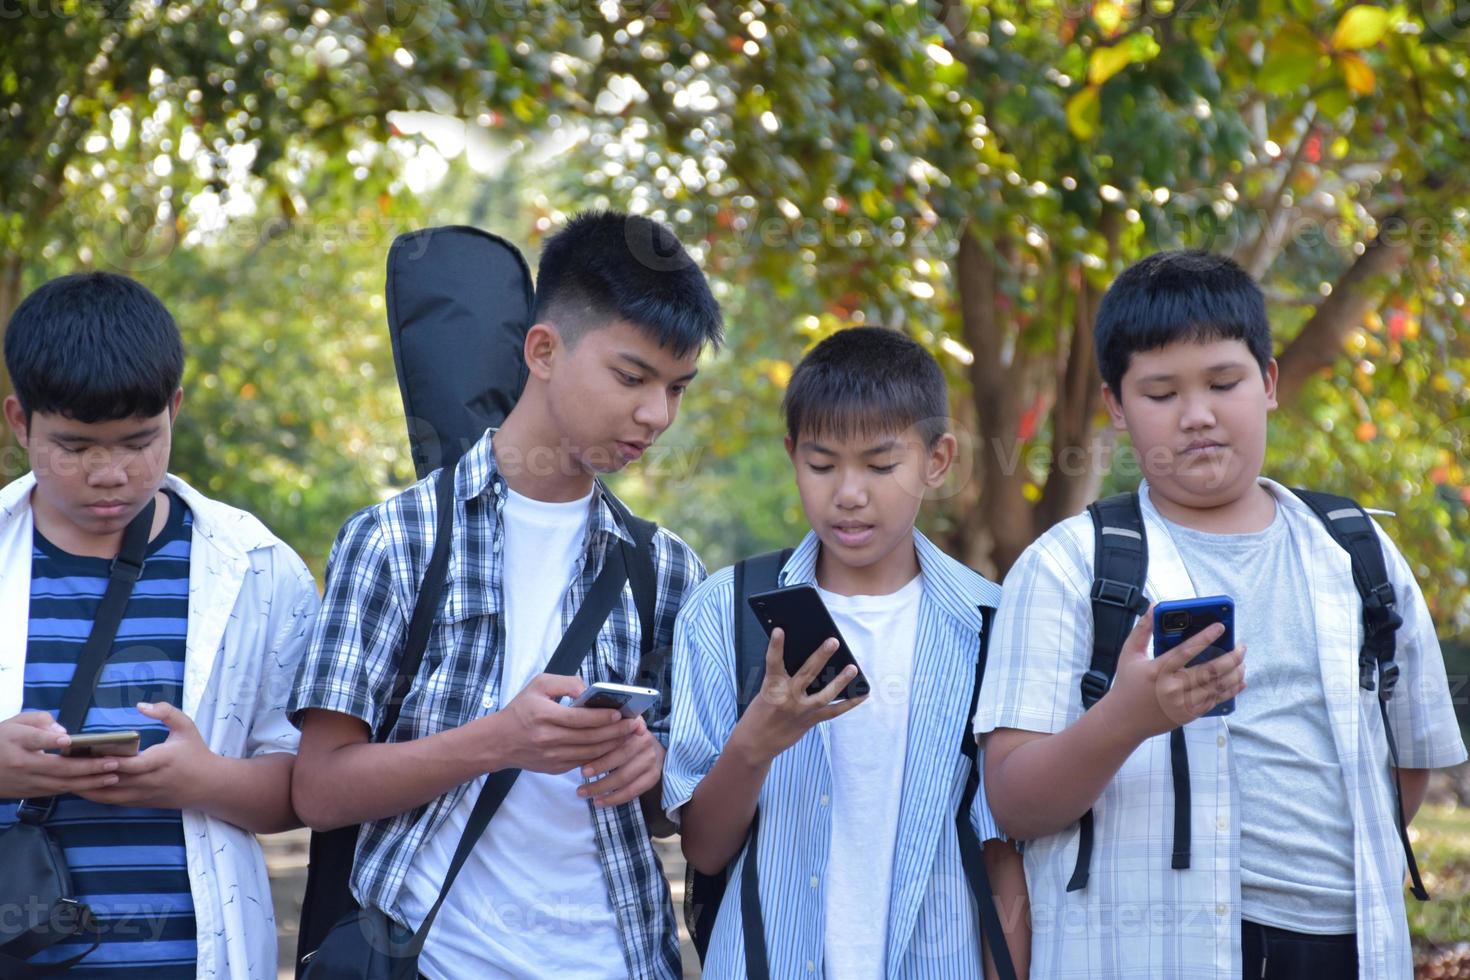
(532, 900)
(867, 747)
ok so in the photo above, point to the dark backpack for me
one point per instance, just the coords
(459, 305)
(1120, 567)
(704, 893)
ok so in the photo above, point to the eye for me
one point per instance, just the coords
(1159, 398)
(631, 380)
(678, 390)
(819, 469)
(1224, 385)
(889, 468)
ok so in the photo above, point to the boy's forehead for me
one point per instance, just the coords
(65, 426)
(1190, 355)
(856, 440)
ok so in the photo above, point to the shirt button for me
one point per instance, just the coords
(811, 967)
(825, 799)
(815, 881)
(1220, 741)
(1222, 823)
(1219, 910)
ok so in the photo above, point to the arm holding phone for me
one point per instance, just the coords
(1039, 784)
(717, 817)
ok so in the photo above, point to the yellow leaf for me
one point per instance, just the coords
(1107, 62)
(1355, 71)
(779, 373)
(1109, 16)
(1360, 27)
(1084, 113)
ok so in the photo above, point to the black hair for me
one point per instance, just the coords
(606, 266)
(1186, 296)
(93, 347)
(867, 380)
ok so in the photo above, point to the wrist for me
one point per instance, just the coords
(486, 744)
(747, 748)
(1124, 725)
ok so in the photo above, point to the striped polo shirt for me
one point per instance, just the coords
(127, 863)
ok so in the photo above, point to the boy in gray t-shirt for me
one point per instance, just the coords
(1295, 852)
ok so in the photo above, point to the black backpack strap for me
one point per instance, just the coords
(431, 589)
(971, 849)
(1352, 529)
(122, 575)
(752, 575)
(1120, 567)
(643, 577)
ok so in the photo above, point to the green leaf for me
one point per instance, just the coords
(1293, 57)
(1084, 113)
(1360, 27)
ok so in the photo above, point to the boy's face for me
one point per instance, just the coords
(92, 478)
(861, 494)
(1197, 415)
(613, 393)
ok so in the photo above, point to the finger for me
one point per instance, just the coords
(1210, 672)
(140, 764)
(569, 717)
(620, 756)
(1137, 643)
(37, 719)
(172, 717)
(637, 781)
(33, 739)
(1179, 657)
(803, 678)
(839, 708)
(62, 769)
(836, 686)
(776, 654)
(85, 787)
(555, 686)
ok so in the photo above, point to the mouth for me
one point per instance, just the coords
(631, 450)
(108, 508)
(851, 534)
(1202, 447)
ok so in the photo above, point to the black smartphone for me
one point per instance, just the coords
(800, 613)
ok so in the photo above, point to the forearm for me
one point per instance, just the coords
(365, 781)
(1048, 783)
(1413, 784)
(716, 820)
(253, 794)
(1007, 873)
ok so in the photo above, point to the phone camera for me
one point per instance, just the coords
(1175, 622)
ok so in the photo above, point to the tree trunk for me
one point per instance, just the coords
(1321, 340)
(10, 283)
(1079, 453)
(1001, 392)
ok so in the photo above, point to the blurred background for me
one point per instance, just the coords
(973, 173)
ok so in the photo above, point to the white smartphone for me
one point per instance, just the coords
(631, 701)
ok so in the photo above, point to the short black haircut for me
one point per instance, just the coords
(867, 381)
(606, 266)
(1175, 296)
(93, 347)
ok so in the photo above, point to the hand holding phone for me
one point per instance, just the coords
(800, 614)
(93, 745)
(1179, 620)
(630, 701)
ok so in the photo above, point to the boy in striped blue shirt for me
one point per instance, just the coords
(858, 851)
(160, 845)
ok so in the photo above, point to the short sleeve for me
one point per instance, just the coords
(704, 692)
(1043, 639)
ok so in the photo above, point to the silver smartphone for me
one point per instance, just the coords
(631, 701)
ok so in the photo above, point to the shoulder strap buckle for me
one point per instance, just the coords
(1124, 595)
(1094, 686)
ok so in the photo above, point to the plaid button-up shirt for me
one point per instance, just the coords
(373, 576)
(1138, 917)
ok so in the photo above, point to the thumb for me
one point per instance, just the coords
(1136, 646)
(557, 685)
(171, 716)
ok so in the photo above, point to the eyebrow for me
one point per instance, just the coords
(878, 450)
(643, 365)
(1212, 369)
(144, 433)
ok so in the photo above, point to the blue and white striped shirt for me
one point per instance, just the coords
(933, 927)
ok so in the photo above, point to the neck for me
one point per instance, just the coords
(535, 461)
(885, 576)
(70, 539)
(1252, 511)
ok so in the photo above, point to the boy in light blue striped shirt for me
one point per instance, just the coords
(860, 871)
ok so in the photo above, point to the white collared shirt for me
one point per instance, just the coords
(251, 606)
(1137, 917)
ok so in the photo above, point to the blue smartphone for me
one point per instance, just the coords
(1177, 621)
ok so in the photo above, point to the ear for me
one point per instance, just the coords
(939, 459)
(173, 406)
(15, 417)
(1115, 408)
(1270, 378)
(791, 449)
(540, 350)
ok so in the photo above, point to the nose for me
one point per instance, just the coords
(104, 468)
(1197, 413)
(852, 492)
(654, 411)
